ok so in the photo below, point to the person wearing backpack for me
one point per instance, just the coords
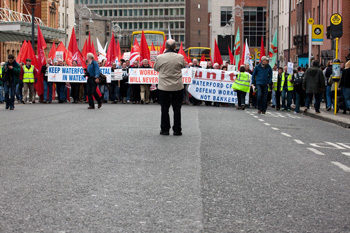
(298, 89)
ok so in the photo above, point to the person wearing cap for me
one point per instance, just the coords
(261, 79)
(28, 81)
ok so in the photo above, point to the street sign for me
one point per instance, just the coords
(317, 34)
(336, 26)
(310, 21)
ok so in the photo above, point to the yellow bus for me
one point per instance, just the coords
(197, 52)
(157, 37)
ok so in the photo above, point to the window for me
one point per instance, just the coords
(199, 6)
(255, 25)
(226, 15)
(199, 19)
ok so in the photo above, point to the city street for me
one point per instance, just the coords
(64, 168)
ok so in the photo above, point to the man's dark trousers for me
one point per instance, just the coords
(262, 91)
(10, 94)
(91, 90)
(174, 98)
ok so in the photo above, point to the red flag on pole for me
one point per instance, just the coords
(84, 51)
(135, 52)
(152, 47)
(162, 48)
(119, 51)
(203, 57)
(232, 60)
(39, 84)
(217, 55)
(88, 46)
(111, 51)
(20, 54)
(144, 52)
(93, 51)
(52, 52)
(29, 53)
(182, 52)
(73, 51)
(262, 49)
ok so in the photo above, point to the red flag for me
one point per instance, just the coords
(144, 50)
(119, 51)
(52, 52)
(203, 57)
(29, 53)
(94, 51)
(217, 55)
(163, 48)
(241, 62)
(152, 47)
(135, 52)
(232, 60)
(88, 46)
(182, 52)
(73, 53)
(262, 49)
(111, 51)
(84, 51)
(20, 54)
(73, 46)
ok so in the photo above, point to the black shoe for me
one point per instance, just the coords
(177, 133)
(7, 107)
(328, 109)
(164, 133)
(141, 101)
(23, 102)
(12, 108)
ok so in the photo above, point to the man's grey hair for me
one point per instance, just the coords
(170, 44)
(264, 58)
(91, 56)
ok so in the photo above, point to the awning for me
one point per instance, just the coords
(20, 31)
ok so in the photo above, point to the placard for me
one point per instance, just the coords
(231, 68)
(290, 68)
(153, 55)
(59, 55)
(73, 74)
(117, 75)
(274, 76)
(126, 56)
(203, 64)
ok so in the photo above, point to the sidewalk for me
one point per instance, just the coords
(340, 119)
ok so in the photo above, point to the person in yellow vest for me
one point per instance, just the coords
(242, 86)
(28, 81)
(278, 87)
(288, 88)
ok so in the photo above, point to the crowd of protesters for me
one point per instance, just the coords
(299, 89)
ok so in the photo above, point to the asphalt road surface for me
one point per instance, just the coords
(64, 168)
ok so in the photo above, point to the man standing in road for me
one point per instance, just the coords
(93, 74)
(261, 79)
(10, 77)
(170, 85)
(314, 84)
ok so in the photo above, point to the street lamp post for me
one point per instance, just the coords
(84, 12)
(32, 5)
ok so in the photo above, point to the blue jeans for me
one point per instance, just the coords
(60, 91)
(262, 91)
(47, 85)
(297, 101)
(128, 96)
(318, 98)
(114, 90)
(287, 95)
(273, 98)
(346, 94)
(10, 94)
(104, 91)
(2, 94)
(329, 96)
(19, 94)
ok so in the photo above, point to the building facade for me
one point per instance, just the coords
(66, 18)
(136, 15)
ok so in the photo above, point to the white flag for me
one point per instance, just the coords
(247, 56)
(169, 32)
(101, 51)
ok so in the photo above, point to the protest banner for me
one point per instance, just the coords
(187, 74)
(73, 74)
(274, 76)
(117, 75)
(213, 85)
(150, 76)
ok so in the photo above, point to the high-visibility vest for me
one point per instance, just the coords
(290, 85)
(276, 83)
(242, 82)
(28, 76)
(0, 72)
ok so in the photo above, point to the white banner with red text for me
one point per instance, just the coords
(73, 74)
(150, 76)
(213, 86)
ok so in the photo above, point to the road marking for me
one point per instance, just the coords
(274, 128)
(335, 145)
(287, 135)
(342, 166)
(261, 120)
(343, 144)
(299, 142)
(327, 145)
(315, 151)
(346, 153)
(267, 124)
(256, 117)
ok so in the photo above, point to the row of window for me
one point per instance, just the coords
(124, 1)
(142, 12)
(152, 25)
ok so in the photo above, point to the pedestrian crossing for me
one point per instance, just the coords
(278, 114)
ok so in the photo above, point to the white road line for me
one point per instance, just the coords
(287, 135)
(256, 117)
(342, 144)
(267, 124)
(299, 142)
(315, 151)
(261, 120)
(346, 153)
(335, 145)
(274, 128)
(342, 166)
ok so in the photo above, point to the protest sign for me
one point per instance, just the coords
(59, 56)
(213, 85)
(290, 68)
(73, 74)
(231, 68)
(126, 56)
(117, 75)
(203, 64)
(274, 76)
(143, 76)
(153, 55)
(187, 75)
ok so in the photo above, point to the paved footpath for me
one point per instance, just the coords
(66, 169)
